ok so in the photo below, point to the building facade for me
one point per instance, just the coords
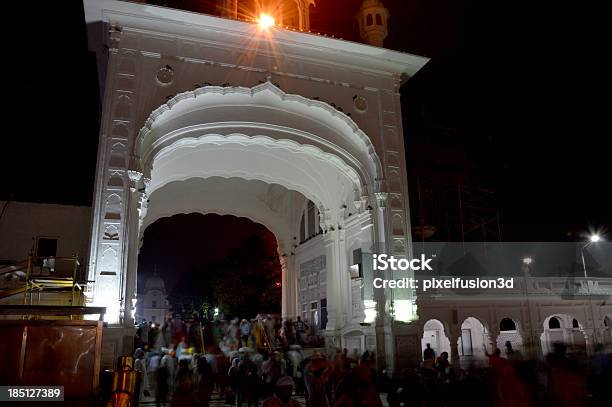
(152, 304)
(211, 115)
(301, 133)
(53, 239)
(43, 229)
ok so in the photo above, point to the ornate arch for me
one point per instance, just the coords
(273, 113)
(254, 200)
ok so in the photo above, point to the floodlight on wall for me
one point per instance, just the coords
(266, 20)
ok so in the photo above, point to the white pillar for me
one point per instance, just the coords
(132, 222)
(289, 287)
(335, 250)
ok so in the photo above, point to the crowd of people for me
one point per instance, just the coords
(263, 332)
(250, 378)
(249, 364)
(183, 360)
(561, 378)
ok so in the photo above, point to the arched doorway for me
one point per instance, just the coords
(509, 332)
(297, 166)
(563, 328)
(192, 254)
(162, 123)
(434, 334)
(472, 342)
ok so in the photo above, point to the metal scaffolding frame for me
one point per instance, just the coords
(41, 277)
(453, 212)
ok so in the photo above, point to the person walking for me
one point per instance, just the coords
(184, 386)
(300, 330)
(205, 383)
(282, 394)
(429, 353)
(168, 364)
(245, 332)
(234, 382)
(140, 366)
(161, 383)
(316, 375)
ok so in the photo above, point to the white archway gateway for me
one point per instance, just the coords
(261, 161)
(298, 132)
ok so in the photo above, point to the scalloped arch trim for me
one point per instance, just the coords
(347, 125)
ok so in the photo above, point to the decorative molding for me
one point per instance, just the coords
(381, 199)
(354, 129)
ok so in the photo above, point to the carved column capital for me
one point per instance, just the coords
(361, 203)
(135, 178)
(381, 199)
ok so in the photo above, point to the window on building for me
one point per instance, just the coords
(575, 324)
(554, 323)
(369, 20)
(378, 19)
(309, 223)
(311, 219)
(314, 313)
(323, 314)
(507, 324)
(356, 269)
(154, 304)
(153, 318)
(46, 247)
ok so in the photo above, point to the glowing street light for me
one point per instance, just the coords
(266, 20)
(527, 260)
(594, 238)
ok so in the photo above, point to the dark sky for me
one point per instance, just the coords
(521, 87)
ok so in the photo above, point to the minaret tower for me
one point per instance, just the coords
(373, 16)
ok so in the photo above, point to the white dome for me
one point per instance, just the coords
(154, 283)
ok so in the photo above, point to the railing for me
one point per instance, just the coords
(53, 274)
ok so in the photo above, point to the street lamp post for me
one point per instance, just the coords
(593, 239)
(527, 261)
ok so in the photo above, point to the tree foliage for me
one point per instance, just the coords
(247, 282)
(244, 283)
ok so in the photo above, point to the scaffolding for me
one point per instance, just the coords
(453, 212)
(53, 274)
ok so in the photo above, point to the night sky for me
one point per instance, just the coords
(518, 88)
